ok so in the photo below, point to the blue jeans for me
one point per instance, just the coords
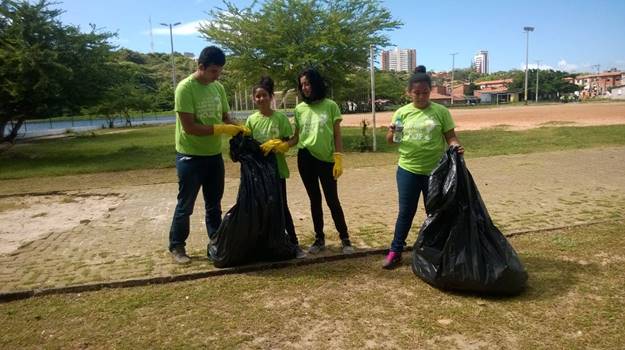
(409, 187)
(194, 172)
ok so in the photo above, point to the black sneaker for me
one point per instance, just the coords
(347, 246)
(319, 245)
(180, 255)
(299, 253)
(208, 252)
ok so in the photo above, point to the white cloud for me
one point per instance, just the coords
(566, 66)
(189, 28)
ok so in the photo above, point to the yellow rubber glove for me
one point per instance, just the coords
(282, 147)
(268, 146)
(229, 129)
(338, 165)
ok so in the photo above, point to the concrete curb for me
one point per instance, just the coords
(25, 294)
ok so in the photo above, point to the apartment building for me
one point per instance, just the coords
(399, 60)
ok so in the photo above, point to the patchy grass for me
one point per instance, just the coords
(153, 148)
(575, 300)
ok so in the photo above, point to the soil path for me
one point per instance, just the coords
(81, 229)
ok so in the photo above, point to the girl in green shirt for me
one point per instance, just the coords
(273, 129)
(427, 130)
(319, 159)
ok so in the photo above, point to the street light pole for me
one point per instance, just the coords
(453, 66)
(527, 31)
(373, 95)
(537, 70)
(171, 41)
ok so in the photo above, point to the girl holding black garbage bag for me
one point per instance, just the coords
(423, 129)
(273, 129)
(319, 159)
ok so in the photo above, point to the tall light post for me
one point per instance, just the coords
(371, 53)
(537, 70)
(453, 67)
(173, 62)
(527, 31)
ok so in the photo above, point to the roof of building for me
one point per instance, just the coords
(493, 82)
(604, 74)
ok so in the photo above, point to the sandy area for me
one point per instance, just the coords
(91, 209)
(520, 117)
(33, 217)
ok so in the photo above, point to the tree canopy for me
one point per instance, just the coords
(282, 37)
(47, 68)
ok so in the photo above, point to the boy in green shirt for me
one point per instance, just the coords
(202, 117)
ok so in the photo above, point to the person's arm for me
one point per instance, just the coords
(192, 128)
(389, 134)
(452, 140)
(295, 138)
(337, 170)
(338, 141)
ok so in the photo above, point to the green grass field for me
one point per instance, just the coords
(153, 147)
(574, 300)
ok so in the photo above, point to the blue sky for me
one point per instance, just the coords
(570, 35)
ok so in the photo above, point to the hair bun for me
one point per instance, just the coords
(266, 81)
(419, 69)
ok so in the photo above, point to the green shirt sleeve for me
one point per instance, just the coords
(296, 119)
(447, 123)
(183, 101)
(336, 113)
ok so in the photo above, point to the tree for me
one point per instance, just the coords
(550, 84)
(131, 89)
(282, 37)
(46, 68)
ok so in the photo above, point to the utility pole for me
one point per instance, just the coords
(151, 36)
(173, 62)
(527, 31)
(372, 95)
(453, 67)
(537, 70)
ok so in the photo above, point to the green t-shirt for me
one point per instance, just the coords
(423, 142)
(207, 103)
(316, 127)
(276, 126)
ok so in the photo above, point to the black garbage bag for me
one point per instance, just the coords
(253, 229)
(459, 247)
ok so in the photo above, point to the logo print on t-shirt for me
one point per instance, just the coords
(419, 130)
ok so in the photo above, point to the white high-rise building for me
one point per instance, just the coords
(480, 62)
(399, 60)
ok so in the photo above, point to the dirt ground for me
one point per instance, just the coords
(520, 117)
(91, 228)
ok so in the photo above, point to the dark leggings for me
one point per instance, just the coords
(288, 219)
(313, 171)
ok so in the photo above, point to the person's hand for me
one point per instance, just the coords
(229, 129)
(282, 147)
(268, 146)
(245, 130)
(337, 171)
(457, 147)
